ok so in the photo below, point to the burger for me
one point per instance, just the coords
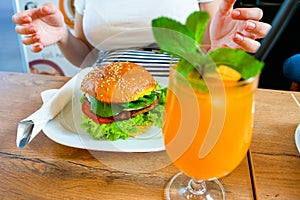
(120, 100)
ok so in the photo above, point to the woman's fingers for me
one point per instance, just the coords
(251, 16)
(246, 43)
(253, 28)
(34, 41)
(257, 29)
(247, 14)
(48, 9)
(31, 39)
(226, 6)
(28, 16)
(26, 29)
(36, 48)
(21, 18)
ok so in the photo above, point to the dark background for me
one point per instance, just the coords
(288, 44)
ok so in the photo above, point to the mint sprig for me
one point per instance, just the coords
(178, 39)
(184, 41)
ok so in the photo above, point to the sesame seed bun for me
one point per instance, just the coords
(118, 82)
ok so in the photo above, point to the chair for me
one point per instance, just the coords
(291, 69)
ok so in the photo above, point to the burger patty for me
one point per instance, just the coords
(124, 115)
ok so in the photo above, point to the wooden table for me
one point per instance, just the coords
(47, 170)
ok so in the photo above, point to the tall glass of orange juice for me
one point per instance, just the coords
(207, 130)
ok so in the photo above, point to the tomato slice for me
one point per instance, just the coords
(86, 109)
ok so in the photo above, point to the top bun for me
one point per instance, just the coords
(118, 82)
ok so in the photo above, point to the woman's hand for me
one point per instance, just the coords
(237, 28)
(40, 27)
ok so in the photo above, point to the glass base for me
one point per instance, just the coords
(184, 187)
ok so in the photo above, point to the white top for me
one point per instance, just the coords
(119, 24)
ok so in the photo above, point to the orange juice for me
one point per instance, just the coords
(207, 134)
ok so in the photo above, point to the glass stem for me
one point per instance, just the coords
(197, 187)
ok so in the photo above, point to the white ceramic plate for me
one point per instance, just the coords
(65, 129)
(297, 137)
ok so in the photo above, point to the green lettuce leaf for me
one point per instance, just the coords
(104, 109)
(108, 110)
(121, 129)
(141, 102)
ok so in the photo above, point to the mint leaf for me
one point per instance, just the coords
(173, 37)
(178, 39)
(182, 40)
(197, 22)
(239, 60)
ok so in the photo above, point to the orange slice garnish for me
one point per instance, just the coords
(228, 73)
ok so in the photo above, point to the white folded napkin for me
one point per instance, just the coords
(29, 127)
